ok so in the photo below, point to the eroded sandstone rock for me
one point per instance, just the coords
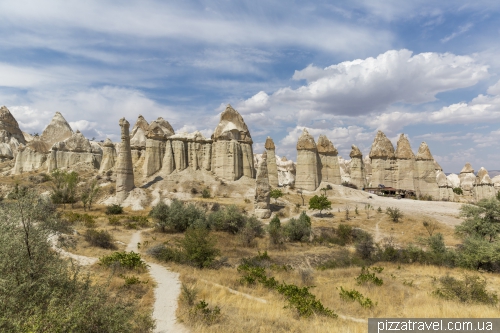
(56, 131)
(330, 169)
(425, 173)
(308, 173)
(262, 190)
(124, 167)
(405, 160)
(109, 156)
(357, 168)
(272, 168)
(382, 161)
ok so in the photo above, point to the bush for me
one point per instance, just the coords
(167, 253)
(114, 220)
(199, 247)
(129, 260)
(366, 276)
(344, 233)
(141, 221)
(394, 213)
(194, 191)
(365, 246)
(276, 194)
(230, 219)
(177, 217)
(100, 238)
(275, 231)
(298, 230)
(253, 228)
(458, 191)
(203, 312)
(205, 193)
(470, 289)
(188, 295)
(114, 209)
(354, 295)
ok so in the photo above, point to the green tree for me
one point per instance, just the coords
(320, 203)
(480, 220)
(276, 194)
(199, 247)
(298, 230)
(394, 213)
(89, 194)
(64, 187)
(275, 231)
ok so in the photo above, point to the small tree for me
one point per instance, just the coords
(430, 226)
(394, 213)
(320, 203)
(89, 194)
(481, 220)
(276, 194)
(298, 229)
(199, 247)
(275, 231)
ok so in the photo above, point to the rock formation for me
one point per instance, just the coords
(155, 149)
(330, 169)
(58, 130)
(467, 180)
(405, 161)
(357, 168)
(286, 171)
(138, 138)
(262, 190)
(124, 167)
(9, 124)
(445, 187)
(75, 149)
(272, 168)
(232, 155)
(382, 161)
(484, 187)
(425, 180)
(308, 173)
(454, 180)
(108, 156)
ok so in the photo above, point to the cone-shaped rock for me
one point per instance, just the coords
(405, 160)
(262, 190)
(124, 167)
(467, 179)
(232, 154)
(357, 167)
(308, 173)
(9, 124)
(382, 161)
(445, 187)
(58, 130)
(272, 168)
(330, 168)
(138, 138)
(425, 173)
(155, 147)
(108, 156)
(168, 130)
(484, 186)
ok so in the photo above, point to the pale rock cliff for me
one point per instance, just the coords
(272, 167)
(484, 186)
(405, 160)
(308, 175)
(262, 190)
(357, 168)
(329, 166)
(467, 180)
(73, 150)
(124, 167)
(109, 156)
(425, 180)
(382, 161)
(138, 139)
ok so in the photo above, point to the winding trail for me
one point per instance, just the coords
(167, 291)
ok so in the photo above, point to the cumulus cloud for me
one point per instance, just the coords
(257, 103)
(367, 85)
(494, 89)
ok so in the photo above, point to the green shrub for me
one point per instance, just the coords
(354, 295)
(142, 221)
(394, 213)
(366, 276)
(199, 247)
(230, 219)
(276, 235)
(205, 193)
(114, 220)
(130, 280)
(17, 192)
(458, 191)
(129, 260)
(253, 228)
(276, 194)
(298, 230)
(365, 245)
(167, 253)
(177, 217)
(188, 295)
(470, 289)
(344, 233)
(203, 312)
(100, 238)
(114, 209)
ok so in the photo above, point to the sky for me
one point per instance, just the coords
(346, 69)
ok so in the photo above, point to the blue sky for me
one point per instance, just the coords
(428, 69)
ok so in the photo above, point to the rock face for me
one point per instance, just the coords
(155, 149)
(330, 169)
(357, 168)
(29, 158)
(262, 191)
(382, 161)
(484, 186)
(445, 187)
(138, 138)
(124, 167)
(286, 171)
(9, 124)
(405, 161)
(308, 173)
(75, 149)
(467, 180)
(272, 168)
(57, 131)
(425, 179)
(232, 154)
(108, 156)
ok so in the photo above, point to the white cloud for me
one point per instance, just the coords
(461, 30)
(367, 85)
(257, 103)
(494, 89)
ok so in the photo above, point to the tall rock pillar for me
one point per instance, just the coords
(358, 175)
(308, 173)
(405, 160)
(426, 184)
(124, 167)
(155, 149)
(272, 168)
(328, 155)
(383, 161)
(467, 181)
(262, 191)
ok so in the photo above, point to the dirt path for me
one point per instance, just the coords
(168, 289)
